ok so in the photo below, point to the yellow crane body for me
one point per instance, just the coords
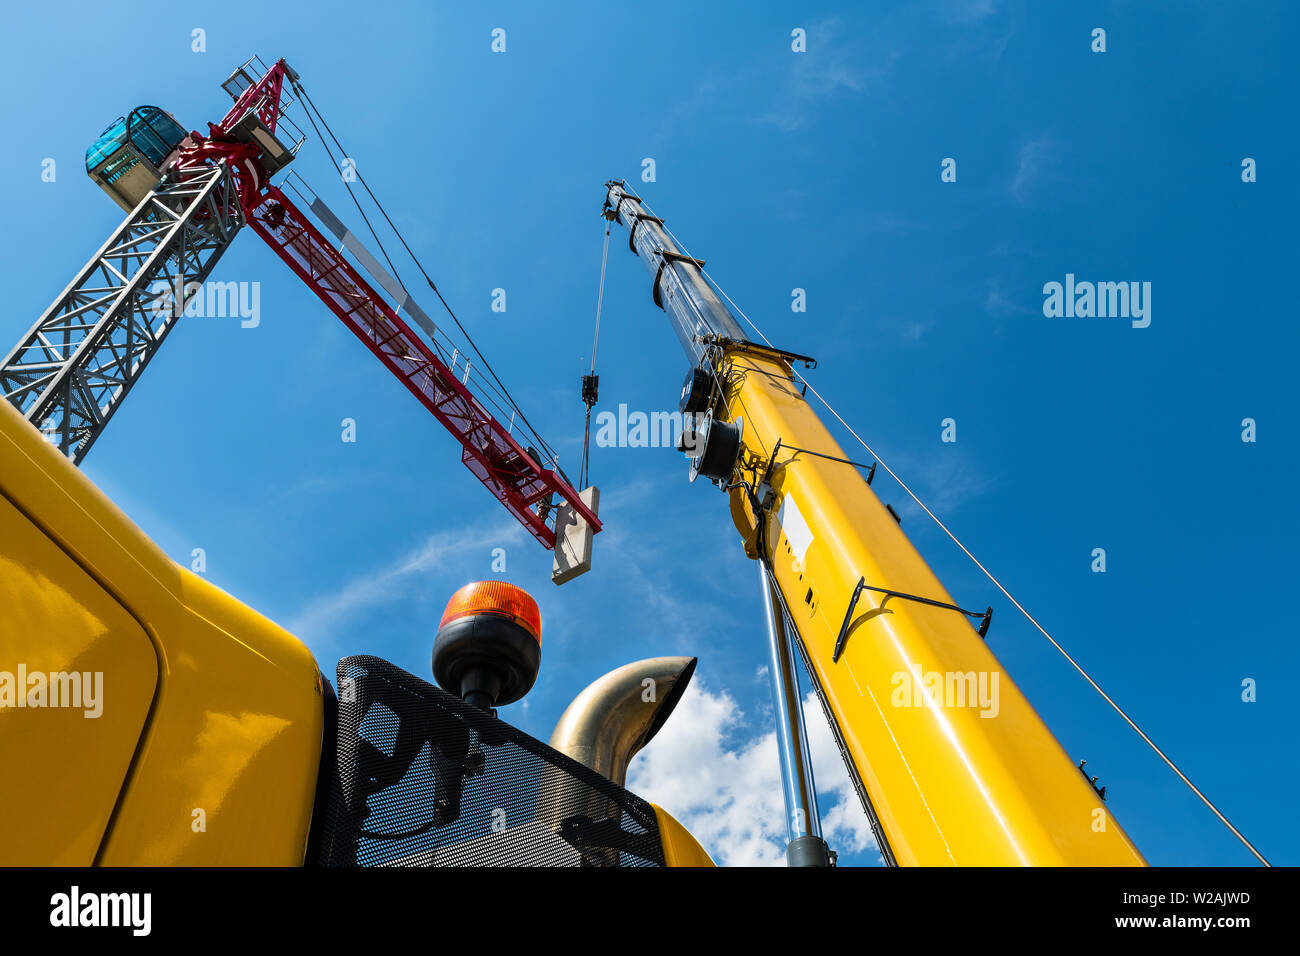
(958, 767)
(207, 740)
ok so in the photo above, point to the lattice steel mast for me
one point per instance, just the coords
(69, 373)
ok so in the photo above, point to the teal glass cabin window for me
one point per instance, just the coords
(150, 130)
(108, 143)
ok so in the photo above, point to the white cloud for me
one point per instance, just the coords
(325, 614)
(727, 792)
(945, 478)
(647, 559)
(998, 302)
(831, 66)
(967, 11)
(1031, 162)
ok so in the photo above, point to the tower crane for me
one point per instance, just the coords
(222, 742)
(187, 196)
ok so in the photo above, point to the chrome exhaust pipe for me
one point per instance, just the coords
(616, 715)
(604, 728)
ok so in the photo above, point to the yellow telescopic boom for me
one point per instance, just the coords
(952, 762)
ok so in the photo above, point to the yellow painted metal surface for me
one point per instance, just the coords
(212, 715)
(63, 743)
(680, 848)
(956, 776)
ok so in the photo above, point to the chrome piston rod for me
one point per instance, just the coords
(803, 824)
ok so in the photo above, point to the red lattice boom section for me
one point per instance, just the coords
(490, 452)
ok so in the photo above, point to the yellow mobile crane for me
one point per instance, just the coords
(943, 782)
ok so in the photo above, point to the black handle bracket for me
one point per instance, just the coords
(985, 616)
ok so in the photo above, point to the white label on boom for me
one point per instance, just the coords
(797, 532)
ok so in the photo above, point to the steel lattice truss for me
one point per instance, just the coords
(70, 372)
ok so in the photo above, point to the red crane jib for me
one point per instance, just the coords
(489, 451)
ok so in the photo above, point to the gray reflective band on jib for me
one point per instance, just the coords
(348, 241)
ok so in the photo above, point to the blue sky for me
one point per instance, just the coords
(819, 171)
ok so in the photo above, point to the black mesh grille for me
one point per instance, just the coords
(423, 779)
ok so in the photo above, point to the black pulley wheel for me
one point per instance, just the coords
(721, 447)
